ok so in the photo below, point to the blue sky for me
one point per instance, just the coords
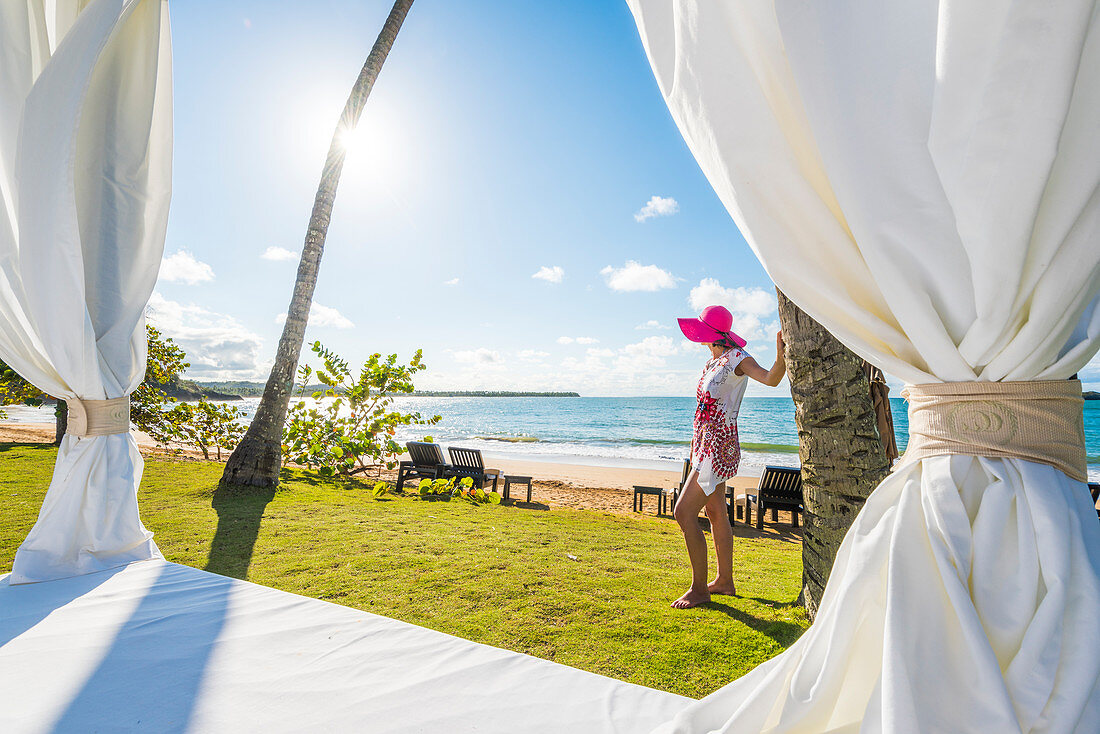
(503, 140)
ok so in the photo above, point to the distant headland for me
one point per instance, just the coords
(491, 394)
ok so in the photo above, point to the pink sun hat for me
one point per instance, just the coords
(713, 324)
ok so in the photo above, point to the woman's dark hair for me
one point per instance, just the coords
(724, 342)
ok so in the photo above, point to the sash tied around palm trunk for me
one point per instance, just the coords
(1039, 421)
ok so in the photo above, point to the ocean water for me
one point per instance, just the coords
(640, 432)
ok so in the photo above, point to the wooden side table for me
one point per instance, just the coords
(509, 480)
(641, 492)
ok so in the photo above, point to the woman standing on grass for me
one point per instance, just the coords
(715, 451)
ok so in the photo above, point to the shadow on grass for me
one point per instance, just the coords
(781, 533)
(26, 445)
(776, 604)
(240, 510)
(784, 633)
(524, 505)
(314, 479)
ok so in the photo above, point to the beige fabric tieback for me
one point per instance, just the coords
(98, 417)
(1040, 421)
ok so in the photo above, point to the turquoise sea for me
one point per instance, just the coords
(646, 432)
(641, 432)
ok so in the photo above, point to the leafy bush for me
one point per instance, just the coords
(204, 425)
(351, 427)
(164, 364)
(14, 390)
(457, 489)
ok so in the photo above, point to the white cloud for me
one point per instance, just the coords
(598, 371)
(323, 316)
(279, 254)
(552, 274)
(652, 347)
(640, 369)
(633, 276)
(182, 267)
(710, 292)
(749, 306)
(217, 346)
(1090, 374)
(480, 356)
(565, 340)
(452, 281)
(578, 340)
(651, 325)
(657, 206)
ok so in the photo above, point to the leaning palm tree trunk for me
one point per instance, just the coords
(838, 441)
(258, 457)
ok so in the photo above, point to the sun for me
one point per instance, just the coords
(353, 140)
(373, 149)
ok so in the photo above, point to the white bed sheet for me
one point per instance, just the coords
(155, 646)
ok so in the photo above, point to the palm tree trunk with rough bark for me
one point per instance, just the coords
(61, 421)
(258, 457)
(838, 441)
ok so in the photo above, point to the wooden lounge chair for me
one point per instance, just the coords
(780, 488)
(425, 462)
(684, 474)
(468, 463)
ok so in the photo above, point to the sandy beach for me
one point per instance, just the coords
(555, 485)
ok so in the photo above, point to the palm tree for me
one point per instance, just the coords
(842, 455)
(258, 457)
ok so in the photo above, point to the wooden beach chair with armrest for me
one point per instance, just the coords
(684, 474)
(780, 488)
(425, 462)
(469, 463)
(739, 505)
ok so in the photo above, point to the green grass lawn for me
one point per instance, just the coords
(499, 575)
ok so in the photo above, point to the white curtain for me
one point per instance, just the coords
(85, 177)
(924, 179)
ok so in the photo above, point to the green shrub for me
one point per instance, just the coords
(204, 425)
(457, 489)
(352, 430)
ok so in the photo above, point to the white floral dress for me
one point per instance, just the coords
(715, 451)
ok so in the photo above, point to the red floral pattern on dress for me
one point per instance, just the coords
(714, 437)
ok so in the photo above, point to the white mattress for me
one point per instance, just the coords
(159, 647)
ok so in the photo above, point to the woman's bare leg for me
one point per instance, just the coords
(691, 501)
(723, 542)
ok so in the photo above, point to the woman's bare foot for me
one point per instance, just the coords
(691, 598)
(720, 586)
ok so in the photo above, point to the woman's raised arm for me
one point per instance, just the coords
(771, 377)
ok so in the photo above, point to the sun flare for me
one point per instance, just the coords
(353, 139)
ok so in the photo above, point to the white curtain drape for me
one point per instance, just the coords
(85, 178)
(924, 179)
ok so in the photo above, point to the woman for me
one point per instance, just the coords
(715, 452)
